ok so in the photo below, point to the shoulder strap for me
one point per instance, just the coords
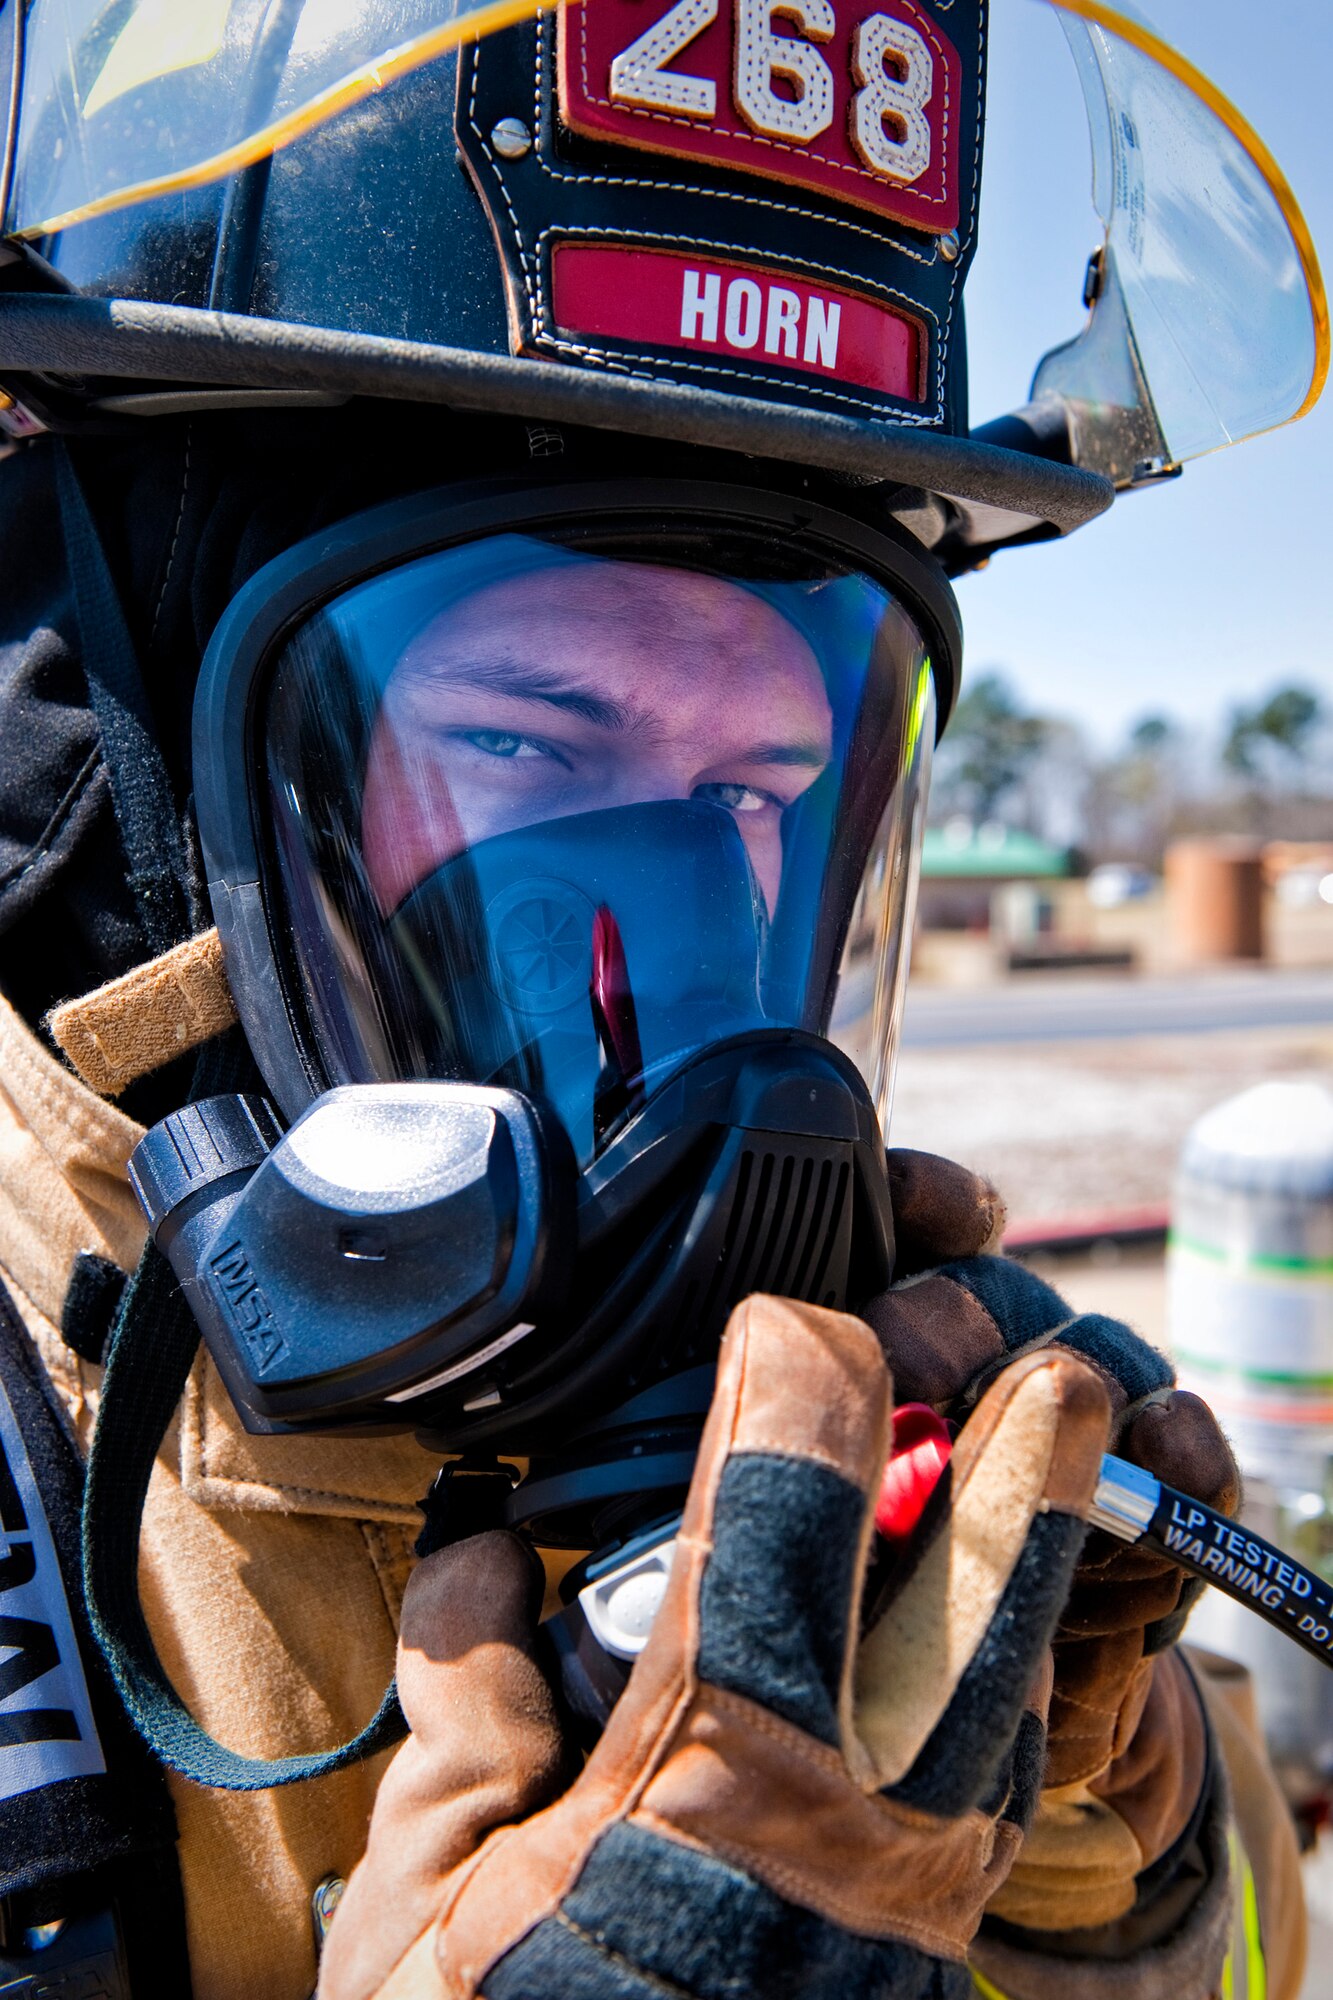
(140, 788)
(153, 1345)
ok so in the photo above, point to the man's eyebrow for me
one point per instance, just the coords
(809, 753)
(524, 682)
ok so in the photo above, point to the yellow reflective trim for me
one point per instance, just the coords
(1256, 1966)
(917, 715)
(984, 1987)
(1245, 1930)
(159, 37)
(1149, 44)
(349, 90)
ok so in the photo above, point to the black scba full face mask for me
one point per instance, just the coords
(548, 832)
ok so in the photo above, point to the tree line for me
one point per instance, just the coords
(1266, 772)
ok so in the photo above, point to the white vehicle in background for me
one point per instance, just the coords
(1117, 882)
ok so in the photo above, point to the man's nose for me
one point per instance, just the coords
(653, 780)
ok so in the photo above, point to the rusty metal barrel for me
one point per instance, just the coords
(1215, 900)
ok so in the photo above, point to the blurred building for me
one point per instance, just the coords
(1299, 872)
(963, 866)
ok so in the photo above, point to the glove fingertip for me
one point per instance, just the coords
(940, 1210)
(488, 1587)
(1181, 1443)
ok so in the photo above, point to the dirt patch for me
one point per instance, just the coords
(1067, 1126)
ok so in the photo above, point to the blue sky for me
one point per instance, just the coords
(1199, 593)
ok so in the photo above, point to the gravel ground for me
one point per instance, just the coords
(1064, 1127)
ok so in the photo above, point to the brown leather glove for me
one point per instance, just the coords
(1127, 1752)
(780, 1804)
(945, 1335)
(940, 1211)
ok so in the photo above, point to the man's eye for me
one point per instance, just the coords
(502, 743)
(737, 798)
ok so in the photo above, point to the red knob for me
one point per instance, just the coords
(921, 1448)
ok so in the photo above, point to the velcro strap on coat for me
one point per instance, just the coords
(147, 1017)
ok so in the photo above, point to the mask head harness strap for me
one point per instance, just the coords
(153, 1346)
(141, 794)
(149, 1016)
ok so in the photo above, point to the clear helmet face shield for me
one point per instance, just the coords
(557, 810)
(1208, 321)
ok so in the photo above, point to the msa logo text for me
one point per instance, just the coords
(250, 1311)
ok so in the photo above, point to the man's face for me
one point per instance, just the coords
(585, 686)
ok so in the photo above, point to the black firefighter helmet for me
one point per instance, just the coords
(744, 224)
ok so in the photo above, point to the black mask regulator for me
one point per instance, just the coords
(339, 1270)
(403, 1257)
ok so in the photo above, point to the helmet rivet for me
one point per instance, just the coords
(511, 139)
(950, 246)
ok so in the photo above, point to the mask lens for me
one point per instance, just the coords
(558, 813)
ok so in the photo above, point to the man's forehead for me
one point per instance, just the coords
(680, 603)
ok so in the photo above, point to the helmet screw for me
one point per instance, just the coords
(511, 139)
(949, 246)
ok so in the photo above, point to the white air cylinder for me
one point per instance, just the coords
(1250, 1298)
(1250, 1324)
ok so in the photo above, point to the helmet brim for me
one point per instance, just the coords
(133, 341)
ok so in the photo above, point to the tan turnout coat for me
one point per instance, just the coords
(273, 1570)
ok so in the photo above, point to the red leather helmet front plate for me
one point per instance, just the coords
(857, 101)
(672, 299)
(775, 199)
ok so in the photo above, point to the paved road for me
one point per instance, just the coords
(1054, 1007)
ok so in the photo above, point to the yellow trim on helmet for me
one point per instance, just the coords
(159, 37)
(487, 19)
(1150, 44)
